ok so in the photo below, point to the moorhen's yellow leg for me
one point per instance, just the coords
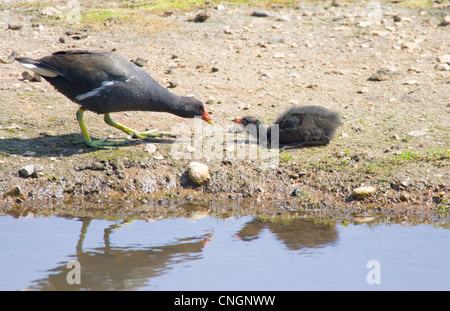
(148, 135)
(99, 144)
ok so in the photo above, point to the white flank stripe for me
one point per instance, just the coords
(40, 71)
(128, 80)
(95, 91)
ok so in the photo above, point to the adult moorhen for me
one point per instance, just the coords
(297, 126)
(104, 82)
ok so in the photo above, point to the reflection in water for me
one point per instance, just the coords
(120, 268)
(295, 234)
(210, 253)
(127, 268)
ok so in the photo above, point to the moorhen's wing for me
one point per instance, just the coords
(88, 68)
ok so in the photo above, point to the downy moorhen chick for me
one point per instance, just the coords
(104, 82)
(298, 127)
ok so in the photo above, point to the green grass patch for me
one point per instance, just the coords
(435, 154)
(285, 157)
(94, 16)
(416, 3)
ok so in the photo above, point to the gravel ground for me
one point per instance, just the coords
(384, 67)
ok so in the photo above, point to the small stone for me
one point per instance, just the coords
(382, 75)
(444, 58)
(445, 21)
(362, 192)
(26, 75)
(27, 170)
(15, 26)
(405, 183)
(313, 86)
(266, 75)
(79, 36)
(276, 39)
(17, 192)
(363, 90)
(29, 153)
(278, 55)
(245, 107)
(50, 11)
(158, 157)
(260, 13)
(198, 173)
(404, 197)
(409, 46)
(411, 82)
(417, 133)
(227, 31)
(296, 192)
(150, 148)
(363, 24)
(35, 78)
(294, 176)
(215, 69)
(284, 18)
(140, 62)
(173, 84)
(397, 18)
(414, 69)
(11, 58)
(380, 33)
(443, 67)
(200, 17)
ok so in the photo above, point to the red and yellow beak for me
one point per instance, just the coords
(206, 117)
(237, 120)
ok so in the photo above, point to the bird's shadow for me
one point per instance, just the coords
(64, 145)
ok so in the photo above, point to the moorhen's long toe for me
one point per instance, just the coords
(104, 82)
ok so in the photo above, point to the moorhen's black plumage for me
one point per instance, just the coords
(297, 126)
(104, 82)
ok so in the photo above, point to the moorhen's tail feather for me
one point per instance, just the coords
(38, 67)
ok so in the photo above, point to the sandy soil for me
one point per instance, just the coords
(395, 135)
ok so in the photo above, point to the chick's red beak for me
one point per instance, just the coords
(237, 120)
(206, 117)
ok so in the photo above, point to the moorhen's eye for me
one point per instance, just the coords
(199, 107)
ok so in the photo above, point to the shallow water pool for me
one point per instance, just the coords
(238, 254)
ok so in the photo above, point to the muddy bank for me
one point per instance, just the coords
(127, 185)
(394, 136)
